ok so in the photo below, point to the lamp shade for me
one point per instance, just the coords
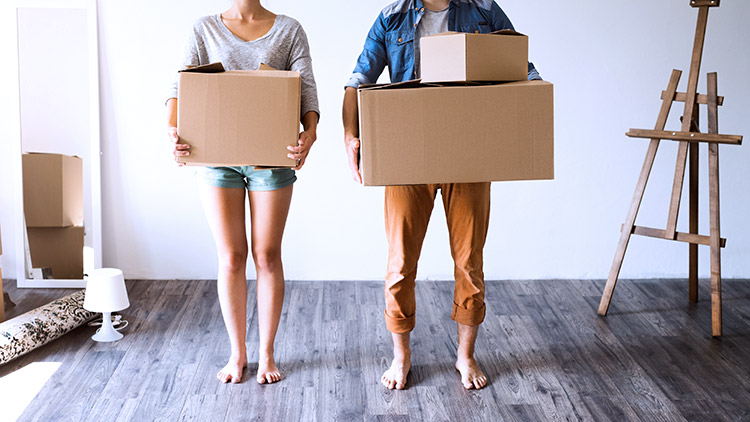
(105, 291)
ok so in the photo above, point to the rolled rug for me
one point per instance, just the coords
(38, 327)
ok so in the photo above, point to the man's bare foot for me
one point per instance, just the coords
(232, 372)
(471, 376)
(268, 373)
(395, 376)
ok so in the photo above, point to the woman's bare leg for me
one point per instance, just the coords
(268, 213)
(225, 211)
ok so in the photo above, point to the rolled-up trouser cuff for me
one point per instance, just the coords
(468, 316)
(399, 325)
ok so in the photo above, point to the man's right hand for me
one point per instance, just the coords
(178, 149)
(352, 155)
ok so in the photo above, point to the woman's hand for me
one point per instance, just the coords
(178, 149)
(299, 153)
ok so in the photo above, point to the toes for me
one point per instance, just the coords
(260, 379)
(223, 377)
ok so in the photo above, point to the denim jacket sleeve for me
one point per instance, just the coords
(500, 21)
(374, 57)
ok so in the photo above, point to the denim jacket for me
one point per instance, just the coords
(391, 39)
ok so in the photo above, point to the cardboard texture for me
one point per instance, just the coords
(456, 134)
(59, 248)
(234, 118)
(462, 57)
(52, 190)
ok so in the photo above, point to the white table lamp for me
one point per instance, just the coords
(106, 293)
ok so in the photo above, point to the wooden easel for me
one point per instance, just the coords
(689, 138)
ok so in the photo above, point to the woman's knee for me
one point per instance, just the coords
(267, 260)
(233, 261)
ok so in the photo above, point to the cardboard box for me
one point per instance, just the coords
(462, 57)
(52, 190)
(233, 118)
(416, 134)
(59, 248)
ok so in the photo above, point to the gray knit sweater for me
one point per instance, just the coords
(284, 47)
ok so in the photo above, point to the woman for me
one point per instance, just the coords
(241, 38)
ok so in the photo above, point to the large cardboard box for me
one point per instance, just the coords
(52, 190)
(233, 118)
(462, 57)
(416, 134)
(59, 248)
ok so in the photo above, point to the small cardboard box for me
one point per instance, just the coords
(417, 134)
(462, 57)
(52, 190)
(234, 118)
(59, 248)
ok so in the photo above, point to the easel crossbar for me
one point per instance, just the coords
(685, 136)
(700, 98)
(691, 238)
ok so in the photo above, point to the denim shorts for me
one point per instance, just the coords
(246, 177)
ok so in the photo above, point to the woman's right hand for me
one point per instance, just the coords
(178, 149)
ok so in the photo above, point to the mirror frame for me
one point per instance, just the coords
(24, 275)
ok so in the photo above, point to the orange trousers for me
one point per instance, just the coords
(407, 213)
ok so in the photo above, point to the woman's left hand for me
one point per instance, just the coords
(299, 153)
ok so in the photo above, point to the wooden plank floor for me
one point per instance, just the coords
(547, 354)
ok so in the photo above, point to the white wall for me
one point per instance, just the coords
(609, 61)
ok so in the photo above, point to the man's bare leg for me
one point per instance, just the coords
(395, 376)
(471, 375)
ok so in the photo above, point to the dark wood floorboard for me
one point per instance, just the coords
(548, 355)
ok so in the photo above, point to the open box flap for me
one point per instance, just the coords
(206, 68)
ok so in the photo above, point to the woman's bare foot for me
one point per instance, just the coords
(268, 373)
(233, 371)
(471, 375)
(395, 376)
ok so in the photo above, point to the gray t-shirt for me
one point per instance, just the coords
(284, 47)
(432, 22)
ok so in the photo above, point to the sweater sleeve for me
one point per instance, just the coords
(190, 57)
(301, 61)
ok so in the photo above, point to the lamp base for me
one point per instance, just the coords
(107, 332)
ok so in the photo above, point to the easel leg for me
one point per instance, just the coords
(713, 187)
(640, 188)
(713, 169)
(627, 229)
(693, 248)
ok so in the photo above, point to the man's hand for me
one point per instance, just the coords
(178, 149)
(352, 156)
(300, 152)
(351, 132)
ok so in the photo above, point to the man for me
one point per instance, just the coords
(394, 40)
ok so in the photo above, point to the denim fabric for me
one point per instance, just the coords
(246, 177)
(391, 39)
